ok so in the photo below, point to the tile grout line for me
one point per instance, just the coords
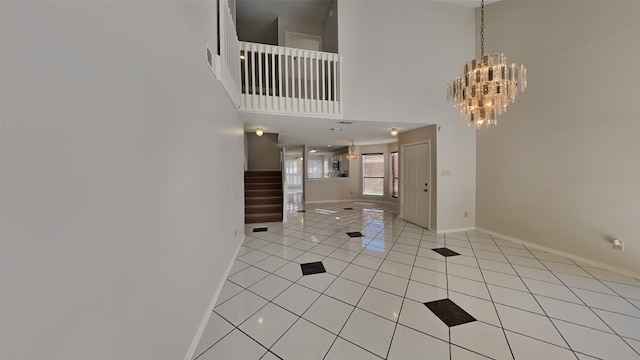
(536, 300)
(504, 331)
(317, 223)
(361, 296)
(268, 301)
(321, 293)
(446, 276)
(610, 288)
(393, 334)
(585, 304)
(292, 283)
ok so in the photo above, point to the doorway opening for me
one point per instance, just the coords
(294, 178)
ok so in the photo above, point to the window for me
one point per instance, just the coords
(315, 169)
(394, 174)
(372, 174)
(294, 173)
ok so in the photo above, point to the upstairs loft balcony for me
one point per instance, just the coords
(276, 79)
(271, 79)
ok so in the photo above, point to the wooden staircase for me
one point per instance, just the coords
(262, 196)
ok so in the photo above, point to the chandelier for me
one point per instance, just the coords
(352, 152)
(486, 86)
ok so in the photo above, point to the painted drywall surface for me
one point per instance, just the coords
(330, 35)
(232, 9)
(117, 226)
(456, 176)
(399, 71)
(264, 151)
(308, 27)
(416, 136)
(247, 30)
(561, 169)
(336, 189)
(398, 57)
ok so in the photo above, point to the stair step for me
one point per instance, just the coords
(262, 193)
(263, 196)
(259, 209)
(263, 179)
(251, 173)
(260, 186)
(262, 200)
(262, 218)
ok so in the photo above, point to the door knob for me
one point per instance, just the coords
(425, 184)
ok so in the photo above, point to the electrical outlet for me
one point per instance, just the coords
(466, 214)
(618, 245)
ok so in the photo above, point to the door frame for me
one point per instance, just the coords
(401, 183)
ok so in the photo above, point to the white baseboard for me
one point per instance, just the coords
(562, 253)
(454, 230)
(212, 304)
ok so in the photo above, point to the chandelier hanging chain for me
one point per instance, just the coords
(481, 28)
(486, 85)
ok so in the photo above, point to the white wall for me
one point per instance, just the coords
(398, 57)
(330, 28)
(299, 26)
(117, 227)
(263, 151)
(456, 191)
(562, 168)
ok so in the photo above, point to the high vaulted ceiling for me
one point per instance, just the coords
(256, 22)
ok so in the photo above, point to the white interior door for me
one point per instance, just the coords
(416, 184)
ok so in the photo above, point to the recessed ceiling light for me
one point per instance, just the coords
(328, 145)
(313, 150)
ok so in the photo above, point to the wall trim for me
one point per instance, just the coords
(562, 253)
(212, 304)
(455, 230)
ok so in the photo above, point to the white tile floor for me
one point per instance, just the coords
(369, 304)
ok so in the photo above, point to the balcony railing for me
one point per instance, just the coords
(277, 79)
(229, 72)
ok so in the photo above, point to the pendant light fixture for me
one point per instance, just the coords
(352, 152)
(259, 132)
(486, 85)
